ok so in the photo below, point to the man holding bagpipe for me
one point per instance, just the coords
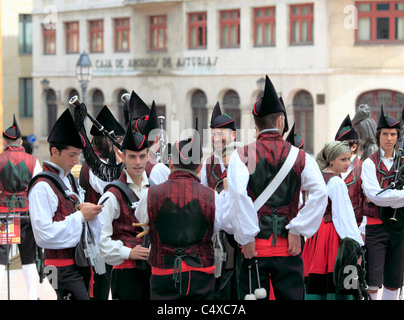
(382, 184)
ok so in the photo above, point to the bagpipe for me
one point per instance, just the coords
(393, 219)
(105, 171)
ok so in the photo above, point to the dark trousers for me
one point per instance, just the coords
(101, 284)
(130, 284)
(194, 285)
(286, 277)
(72, 282)
(26, 247)
(385, 257)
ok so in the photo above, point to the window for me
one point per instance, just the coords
(301, 24)
(264, 26)
(25, 33)
(158, 28)
(230, 29)
(197, 30)
(121, 34)
(231, 106)
(26, 97)
(98, 101)
(49, 40)
(51, 108)
(97, 36)
(304, 118)
(380, 22)
(393, 102)
(199, 110)
(72, 37)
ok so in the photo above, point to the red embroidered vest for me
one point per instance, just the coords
(91, 195)
(328, 210)
(16, 170)
(213, 172)
(384, 177)
(354, 183)
(64, 209)
(181, 219)
(122, 227)
(264, 159)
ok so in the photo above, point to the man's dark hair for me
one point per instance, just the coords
(58, 146)
(191, 167)
(267, 122)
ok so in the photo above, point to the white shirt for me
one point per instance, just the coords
(49, 234)
(204, 175)
(114, 251)
(159, 173)
(343, 215)
(370, 185)
(245, 221)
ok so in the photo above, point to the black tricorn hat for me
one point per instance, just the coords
(64, 132)
(108, 121)
(387, 122)
(134, 140)
(187, 151)
(145, 124)
(221, 120)
(269, 103)
(294, 139)
(346, 131)
(135, 109)
(12, 132)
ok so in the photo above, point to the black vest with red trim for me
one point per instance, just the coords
(384, 177)
(16, 170)
(181, 220)
(264, 159)
(354, 183)
(91, 195)
(122, 228)
(213, 172)
(328, 210)
(64, 209)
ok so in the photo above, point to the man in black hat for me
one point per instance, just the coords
(144, 120)
(352, 177)
(183, 216)
(223, 130)
(385, 248)
(57, 220)
(268, 223)
(94, 186)
(213, 174)
(119, 242)
(16, 170)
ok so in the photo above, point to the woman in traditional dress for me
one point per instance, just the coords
(320, 251)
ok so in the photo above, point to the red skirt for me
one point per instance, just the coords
(320, 251)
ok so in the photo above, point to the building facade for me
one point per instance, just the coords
(324, 57)
(17, 88)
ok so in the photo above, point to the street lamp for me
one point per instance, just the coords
(260, 84)
(84, 71)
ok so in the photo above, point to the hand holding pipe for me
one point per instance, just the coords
(75, 102)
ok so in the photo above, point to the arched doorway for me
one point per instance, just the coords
(392, 101)
(199, 110)
(231, 106)
(303, 106)
(98, 102)
(51, 108)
